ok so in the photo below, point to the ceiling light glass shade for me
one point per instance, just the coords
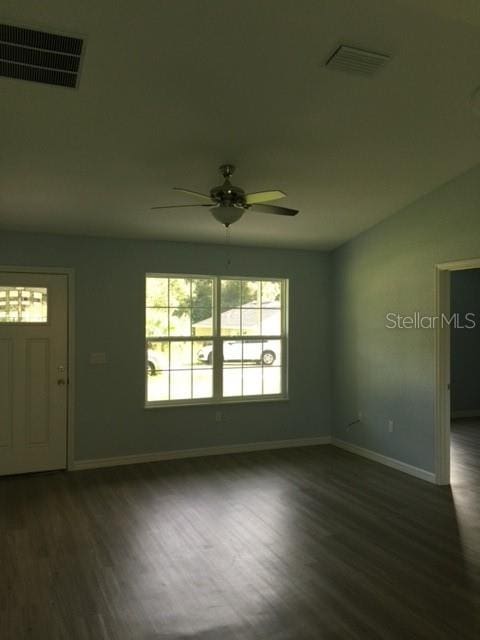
(227, 215)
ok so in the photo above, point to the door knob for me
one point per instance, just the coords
(60, 381)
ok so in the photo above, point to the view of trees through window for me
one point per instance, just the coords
(213, 337)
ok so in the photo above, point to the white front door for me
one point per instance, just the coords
(33, 372)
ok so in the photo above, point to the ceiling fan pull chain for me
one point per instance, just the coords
(228, 260)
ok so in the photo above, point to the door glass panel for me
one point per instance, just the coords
(23, 304)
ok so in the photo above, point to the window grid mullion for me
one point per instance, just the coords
(261, 328)
(191, 341)
(216, 343)
(284, 292)
(242, 366)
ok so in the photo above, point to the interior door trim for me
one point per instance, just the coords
(70, 274)
(442, 409)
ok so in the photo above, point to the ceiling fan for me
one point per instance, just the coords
(228, 203)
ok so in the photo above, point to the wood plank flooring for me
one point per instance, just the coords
(299, 544)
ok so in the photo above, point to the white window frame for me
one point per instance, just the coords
(217, 342)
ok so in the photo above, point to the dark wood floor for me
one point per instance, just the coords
(310, 543)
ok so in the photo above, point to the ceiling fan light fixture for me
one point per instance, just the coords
(227, 215)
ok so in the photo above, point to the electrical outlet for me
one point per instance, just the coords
(218, 416)
(390, 426)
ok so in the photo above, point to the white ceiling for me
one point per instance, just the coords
(172, 89)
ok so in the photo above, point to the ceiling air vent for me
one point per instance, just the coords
(38, 56)
(358, 61)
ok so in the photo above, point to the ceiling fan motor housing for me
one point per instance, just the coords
(228, 195)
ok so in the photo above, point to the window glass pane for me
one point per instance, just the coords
(202, 289)
(251, 293)
(232, 382)
(202, 383)
(271, 322)
(230, 322)
(157, 322)
(180, 322)
(252, 350)
(160, 350)
(180, 385)
(232, 351)
(157, 371)
(157, 292)
(158, 387)
(202, 354)
(180, 355)
(179, 292)
(271, 293)
(272, 379)
(271, 353)
(23, 304)
(202, 321)
(230, 294)
(250, 321)
(252, 381)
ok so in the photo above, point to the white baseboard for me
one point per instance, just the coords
(96, 463)
(389, 462)
(466, 413)
(116, 461)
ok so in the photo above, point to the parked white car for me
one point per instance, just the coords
(263, 352)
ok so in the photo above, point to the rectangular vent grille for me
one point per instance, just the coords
(37, 56)
(358, 61)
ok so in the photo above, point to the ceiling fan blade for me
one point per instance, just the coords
(270, 208)
(179, 206)
(264, 196)
(203, 196)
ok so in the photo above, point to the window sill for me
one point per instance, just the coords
(210, 402)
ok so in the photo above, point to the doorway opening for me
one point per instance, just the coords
(456, 334)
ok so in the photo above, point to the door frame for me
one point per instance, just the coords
(70, 275)
(442, 411)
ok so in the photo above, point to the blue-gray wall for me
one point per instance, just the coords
(110, 419)
(465, 343)
(383, 373)
(386, 373)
